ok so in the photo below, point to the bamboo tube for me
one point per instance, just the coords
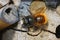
(8, 16)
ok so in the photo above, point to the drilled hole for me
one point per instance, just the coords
(8, 10)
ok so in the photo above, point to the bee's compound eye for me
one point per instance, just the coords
(28, 20)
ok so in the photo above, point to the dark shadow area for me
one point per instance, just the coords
(27, 0)
(52, 4)
(7, 29)
(11, 2)
(58, 31)
(31, 0)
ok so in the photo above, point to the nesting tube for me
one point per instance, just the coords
(8, 16)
